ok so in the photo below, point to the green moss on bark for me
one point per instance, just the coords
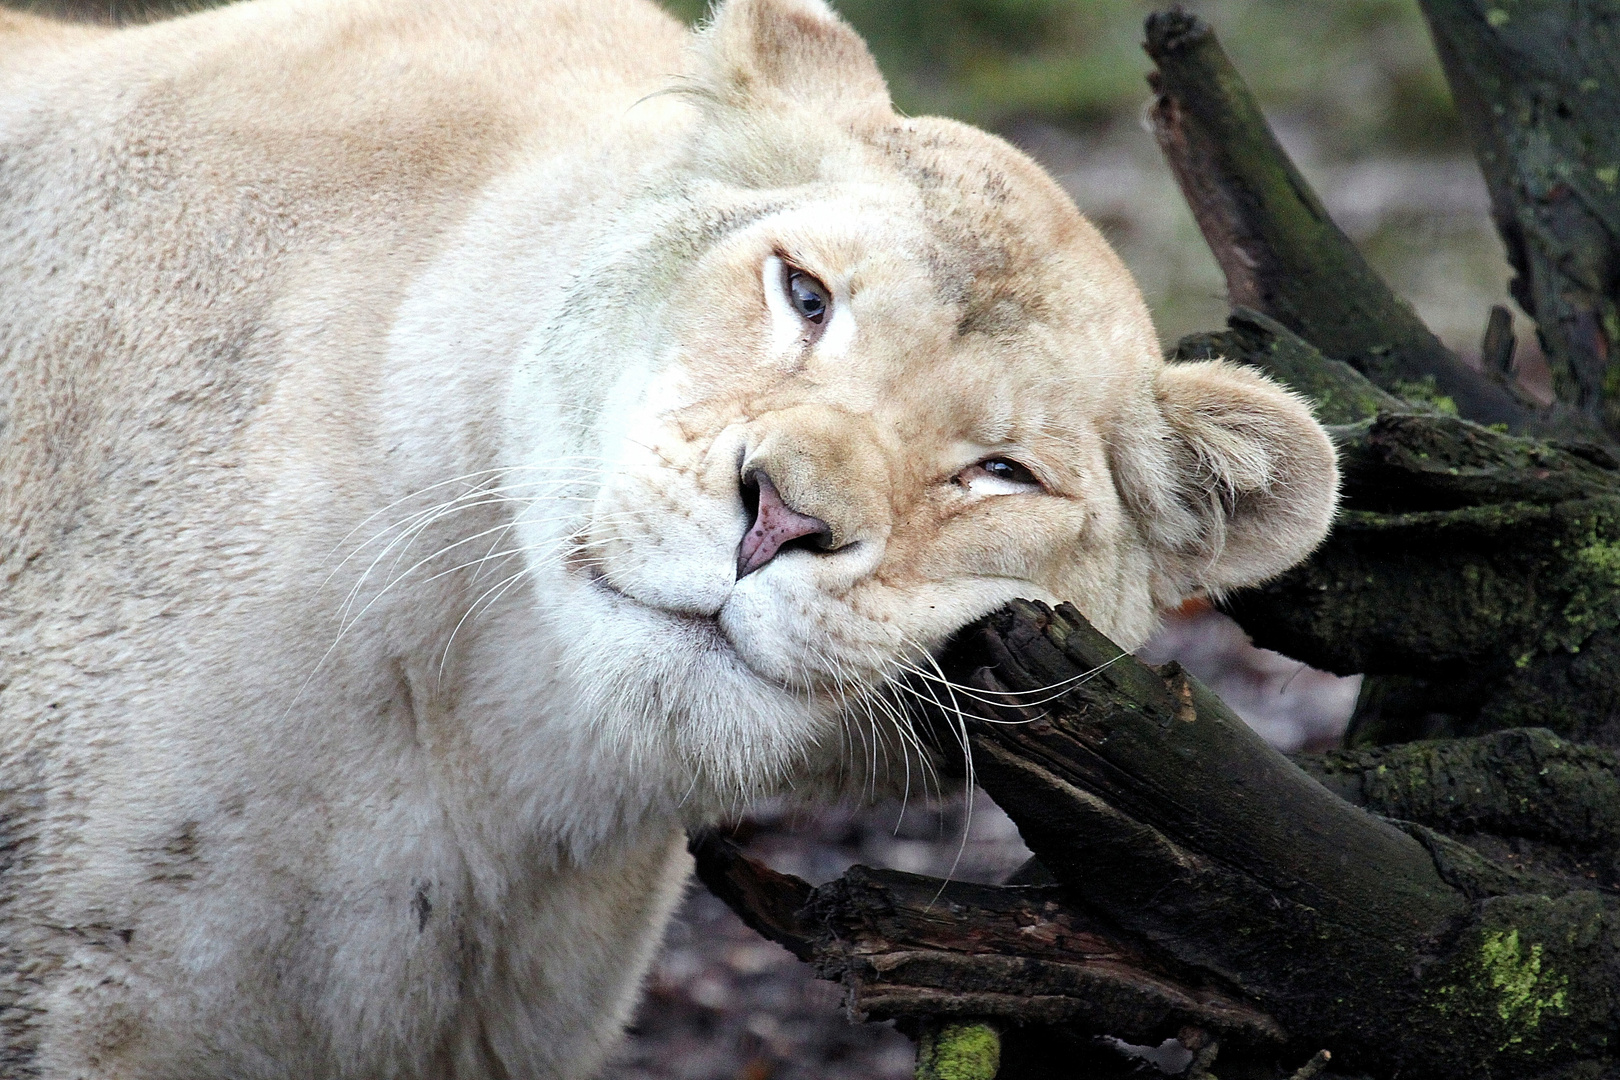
(1528, 783)
(1475, 576)
(969, 1051)
(1341, 394)
(1526, 986)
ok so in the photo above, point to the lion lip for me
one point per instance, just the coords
(705, 624)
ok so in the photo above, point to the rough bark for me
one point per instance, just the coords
(1546, 808)
(1341, 394)
(906, 946)
(1280, 251)
(1537, 83)
(1474, 575)
(1203, 877)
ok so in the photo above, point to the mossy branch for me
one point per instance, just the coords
(1537, 83)
(1280, 251)
(1474, 575)
(1340, 393)
(1206, 881)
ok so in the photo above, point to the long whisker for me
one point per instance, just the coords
(503, 586)
(463, 478)
(1010, 698)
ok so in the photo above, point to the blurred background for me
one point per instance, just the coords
(1355, 94)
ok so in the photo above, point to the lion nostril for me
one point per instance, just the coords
(774, 526)
(750, 496)
(819, 542)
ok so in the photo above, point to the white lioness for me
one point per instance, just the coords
(446, 448)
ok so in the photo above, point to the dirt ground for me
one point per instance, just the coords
(723, 1002)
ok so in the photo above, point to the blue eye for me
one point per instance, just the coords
(809, 296)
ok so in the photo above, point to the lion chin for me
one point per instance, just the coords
(448, 449)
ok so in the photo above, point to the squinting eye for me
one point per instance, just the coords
(1011, 471)
(998, 476)
(809, 296)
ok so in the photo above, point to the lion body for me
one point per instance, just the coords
(374, 381)
(199, 252)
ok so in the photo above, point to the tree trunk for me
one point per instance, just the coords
(1537, 83)
(1280, 251)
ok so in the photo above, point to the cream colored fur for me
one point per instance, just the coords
(377, 383)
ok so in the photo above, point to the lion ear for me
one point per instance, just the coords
(1234, 483)
(791, 52)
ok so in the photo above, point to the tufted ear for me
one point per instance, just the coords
(788, 52)
(1237, 484)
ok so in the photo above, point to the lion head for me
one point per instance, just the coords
(822, 384)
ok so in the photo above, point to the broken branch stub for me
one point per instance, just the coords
(1152, 802)
(910, 947)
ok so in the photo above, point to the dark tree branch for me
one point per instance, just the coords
(1546, 807)
(1156, 806)
(909, 946)
(1206, 880)
(1497, 349)
(1341, 394)
(1281, 252)
(1480, 571)
(1538, 85)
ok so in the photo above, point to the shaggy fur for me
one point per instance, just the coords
(378, 384)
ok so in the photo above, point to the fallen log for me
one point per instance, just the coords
(1472, 576)
(1327, 921)
(1202, 876)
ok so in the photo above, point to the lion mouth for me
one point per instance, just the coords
(701, 629)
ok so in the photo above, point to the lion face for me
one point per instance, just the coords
(891, 380)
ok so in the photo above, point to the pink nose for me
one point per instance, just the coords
(776, 525)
